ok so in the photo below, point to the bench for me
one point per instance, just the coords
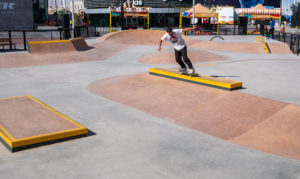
(6, 42)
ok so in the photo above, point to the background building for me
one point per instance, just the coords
(78, 6)
(162, 12)
(16, 14)
(240, 3)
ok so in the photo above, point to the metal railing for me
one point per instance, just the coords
(18, 39)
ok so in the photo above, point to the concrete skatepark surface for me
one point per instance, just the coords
(131, 142)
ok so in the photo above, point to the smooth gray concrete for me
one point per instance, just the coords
(131, 144)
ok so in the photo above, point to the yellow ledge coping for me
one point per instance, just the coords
(46, 42)
(205, 80)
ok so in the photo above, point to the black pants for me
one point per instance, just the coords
(271, 32)
(183, 54)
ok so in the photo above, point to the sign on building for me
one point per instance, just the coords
(16, 15)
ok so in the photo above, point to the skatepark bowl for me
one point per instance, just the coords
(164, 125)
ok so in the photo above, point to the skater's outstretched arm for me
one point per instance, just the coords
(159, 45)
(190, 29)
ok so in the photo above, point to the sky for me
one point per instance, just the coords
(286, 4)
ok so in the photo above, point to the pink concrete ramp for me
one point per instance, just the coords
(233, 116)
(276, 134)
(229, 46)
(98, 52)
(57, 46)
(167, 57)
(135, 37)
(138, 37)
(280, 48)
(255, 47)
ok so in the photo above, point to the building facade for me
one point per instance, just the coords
(162, 12)
(240, 3)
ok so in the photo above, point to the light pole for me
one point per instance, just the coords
(56, 13)
(122, 14)
(193, 12)
(73, 19)
(65, 6)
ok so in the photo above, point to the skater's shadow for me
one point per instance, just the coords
(218, 76)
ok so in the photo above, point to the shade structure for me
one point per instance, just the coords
(260, 12)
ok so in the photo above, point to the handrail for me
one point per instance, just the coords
(262, 41)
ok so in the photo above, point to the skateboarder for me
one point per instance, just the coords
(179, 45)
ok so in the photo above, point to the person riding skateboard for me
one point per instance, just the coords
(179, 45)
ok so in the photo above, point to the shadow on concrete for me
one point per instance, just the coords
(218, 76)
(85, 49)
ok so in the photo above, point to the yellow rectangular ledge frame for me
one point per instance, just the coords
(205, 80)
(27, 122)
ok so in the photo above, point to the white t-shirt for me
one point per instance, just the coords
(176, 40)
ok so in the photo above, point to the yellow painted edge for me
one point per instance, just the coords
(236, 85)
(6, 140)
(5, 137)
(56, 112)
(49, 137)
(52, 41)
(226, 85)
(13, 97)
(6, 133)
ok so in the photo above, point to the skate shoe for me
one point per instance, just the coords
(191, 71)
(183, 70)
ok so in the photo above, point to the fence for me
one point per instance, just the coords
(18, 39)
(12, 40)
(293, 40)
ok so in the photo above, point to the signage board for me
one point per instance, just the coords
(16, 15)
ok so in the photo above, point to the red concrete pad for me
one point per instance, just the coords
(232, 115)
(279, 134)
(167, 57)
(159, 96)
(223, 114)
(229, 46)
(100, 51)
(25, 120)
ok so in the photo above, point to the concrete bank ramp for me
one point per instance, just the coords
(58, 46)
(238, 47)
(134, 37)
(280, 48)
(251, 121)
